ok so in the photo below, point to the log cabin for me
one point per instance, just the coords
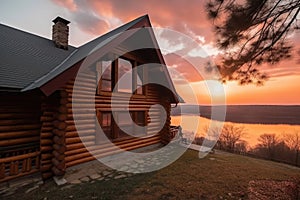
(38, 132)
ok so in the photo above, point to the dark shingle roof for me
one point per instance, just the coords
(29, 61)
(25, 57)
(82, 52)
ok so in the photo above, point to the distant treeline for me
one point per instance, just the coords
(250, 114)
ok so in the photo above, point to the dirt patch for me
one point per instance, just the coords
(270, 189)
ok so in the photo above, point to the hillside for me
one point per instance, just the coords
(218, 176)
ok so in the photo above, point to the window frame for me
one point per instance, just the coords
(114, 79)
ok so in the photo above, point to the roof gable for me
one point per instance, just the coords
(37, 63)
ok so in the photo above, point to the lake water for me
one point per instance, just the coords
(189, 124)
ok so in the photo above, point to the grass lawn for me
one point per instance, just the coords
(217, 176)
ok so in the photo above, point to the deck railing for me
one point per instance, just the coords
(19, 165)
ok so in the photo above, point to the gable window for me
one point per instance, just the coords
(104, 72)
(124, 76)
(122, 71)
(139, 74)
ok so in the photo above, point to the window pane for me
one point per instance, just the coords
(124, 80)
(140, 118)
(106, 69)
(104, 73)
(139, 90)
(106, 119)
(106, 85)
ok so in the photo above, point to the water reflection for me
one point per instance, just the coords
(253, 130)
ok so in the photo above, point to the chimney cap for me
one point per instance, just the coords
(59, 19)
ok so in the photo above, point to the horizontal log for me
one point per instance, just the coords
(12, 122)
(91, 80)
(90, 75)
(18, 134)
(19, 128)
(17, 108)
(46, 118)
(45, 135)
(80, 161)
(9, 142)
(79, 145)
(19, 157)
(46, 156)
(82, 133)
(85, 157)
(81, 121)
(46, 148)
(78, 156)
(79, 139)
(80, 127)
(47, 129)
(47, 124)
(90, 106)
(102, 148)
(83, 92)
(83, 116)
(85, 84)
(45, 142)
(8, 115)
(89, 99)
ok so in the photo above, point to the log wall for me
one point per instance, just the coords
(75, 151)
(49, 109)
(19, 134)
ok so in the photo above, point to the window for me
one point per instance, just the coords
(139, 82)
(139, 118)
(122, 126)
(104, 72)
(124, 76)
(129, 77)
(106, 124)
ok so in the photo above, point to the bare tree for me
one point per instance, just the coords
(230, 136)
(292, 140)
(241, 147)
(268, 141)
(252, 32)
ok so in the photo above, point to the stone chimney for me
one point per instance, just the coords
(60, 33)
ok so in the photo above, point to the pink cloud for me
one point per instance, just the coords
(69, 4)
(186, 17)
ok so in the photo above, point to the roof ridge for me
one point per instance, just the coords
(30, 33)
(42, 80)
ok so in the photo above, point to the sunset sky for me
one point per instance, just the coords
(90, 19)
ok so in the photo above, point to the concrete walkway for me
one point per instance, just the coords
(125, 165)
